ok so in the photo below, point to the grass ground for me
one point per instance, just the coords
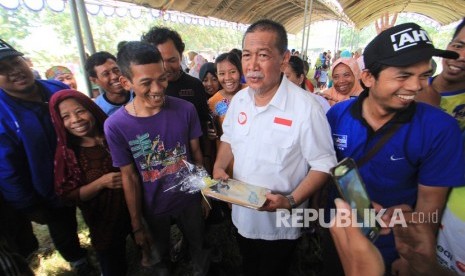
(47, 261)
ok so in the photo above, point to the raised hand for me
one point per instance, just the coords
(383, 23)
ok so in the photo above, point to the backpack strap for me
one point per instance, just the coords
(381, 142)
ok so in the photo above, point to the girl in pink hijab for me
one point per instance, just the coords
(346, 81)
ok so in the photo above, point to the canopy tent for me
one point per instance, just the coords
(290, 13)
(365, 12)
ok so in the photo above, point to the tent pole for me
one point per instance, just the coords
(352, 34)
(82, 53)
(305, 23)
(308, 28)
(337, 36)
(86, 26)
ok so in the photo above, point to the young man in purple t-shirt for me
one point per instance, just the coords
(149, 139)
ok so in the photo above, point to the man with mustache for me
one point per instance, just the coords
(280, 139)
(103, 71)
(27, 148)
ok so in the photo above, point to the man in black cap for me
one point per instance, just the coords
(418, 164)
(27, 149)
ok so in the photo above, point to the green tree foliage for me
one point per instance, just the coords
(107, 31)
(15, 25)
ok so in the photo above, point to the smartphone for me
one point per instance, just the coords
(353, 191)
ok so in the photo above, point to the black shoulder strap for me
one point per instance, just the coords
(381, 142)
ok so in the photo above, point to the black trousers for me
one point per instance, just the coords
(332, 265)
(17, 230)
(113, 260)
(263, 257)
(61, 223)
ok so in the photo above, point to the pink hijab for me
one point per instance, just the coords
(67, 170)
(332, 95)
(199, 61)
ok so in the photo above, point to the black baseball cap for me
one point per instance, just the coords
(402, 45)
(7, 51)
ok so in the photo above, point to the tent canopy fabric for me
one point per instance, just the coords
(365, 12)
(290, 13)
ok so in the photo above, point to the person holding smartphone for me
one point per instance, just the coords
(416, 243)
(413, 167)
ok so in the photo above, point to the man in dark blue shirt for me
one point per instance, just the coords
(424, 158)
(27, 149)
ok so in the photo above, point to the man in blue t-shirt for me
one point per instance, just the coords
(104, 72)
(149, 140)
(424, 158)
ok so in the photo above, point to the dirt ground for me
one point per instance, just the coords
(220, 238)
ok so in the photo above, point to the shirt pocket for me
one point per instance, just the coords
(240, 140)
(276, 147)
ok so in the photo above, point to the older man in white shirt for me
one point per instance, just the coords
(280, 139)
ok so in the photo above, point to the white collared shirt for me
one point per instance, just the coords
(274, 147)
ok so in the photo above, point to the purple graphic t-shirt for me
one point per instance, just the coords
(158, 145)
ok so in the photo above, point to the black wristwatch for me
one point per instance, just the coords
(291, 201)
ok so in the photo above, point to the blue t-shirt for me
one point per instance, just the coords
(108, 107)
(157, 145)
(427, 149)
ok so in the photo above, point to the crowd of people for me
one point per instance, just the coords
(252, 115)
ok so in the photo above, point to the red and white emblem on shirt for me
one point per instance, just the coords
(242, 118)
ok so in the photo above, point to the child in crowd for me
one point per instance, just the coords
(323, 79)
